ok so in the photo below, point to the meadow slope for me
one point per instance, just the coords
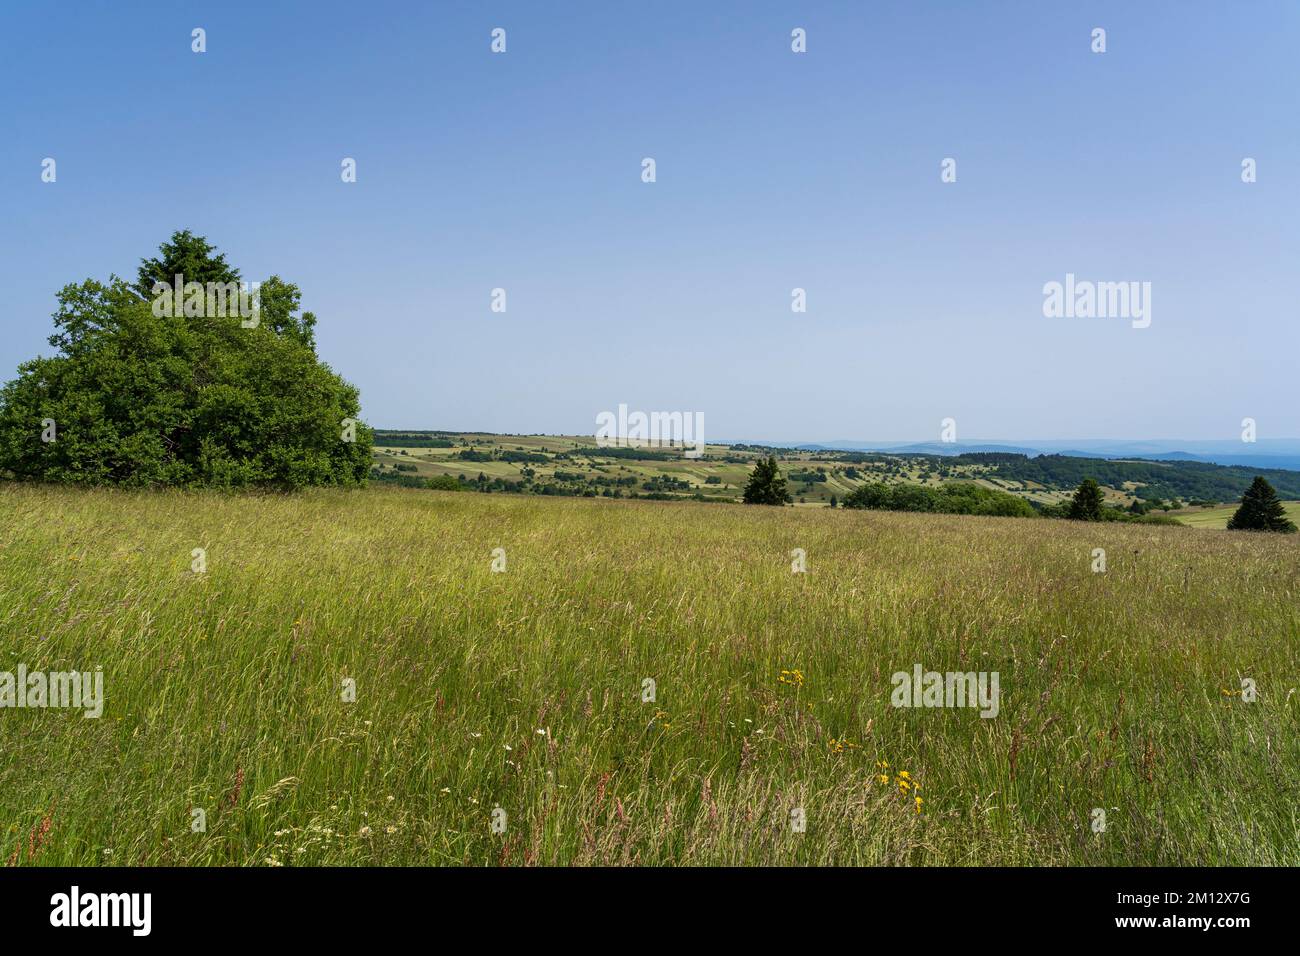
(523, 690)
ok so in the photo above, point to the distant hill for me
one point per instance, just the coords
(1152, 479)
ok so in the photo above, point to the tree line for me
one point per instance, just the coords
(1260, 508)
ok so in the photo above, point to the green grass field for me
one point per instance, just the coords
(1217, 518)
(523, 690)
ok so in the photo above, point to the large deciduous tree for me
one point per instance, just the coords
(142, 395)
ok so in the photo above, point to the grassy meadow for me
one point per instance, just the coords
(1217, 518)
(523, 690)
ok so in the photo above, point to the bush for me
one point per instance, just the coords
(956, 498)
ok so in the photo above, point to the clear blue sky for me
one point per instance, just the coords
(775, 170)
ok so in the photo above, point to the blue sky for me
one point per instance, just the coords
(774, 171)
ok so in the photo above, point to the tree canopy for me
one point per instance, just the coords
(964, 498)
(143, 395)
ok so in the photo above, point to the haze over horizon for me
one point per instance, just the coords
(1267, 453)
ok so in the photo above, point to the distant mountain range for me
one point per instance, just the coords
(1265, 453)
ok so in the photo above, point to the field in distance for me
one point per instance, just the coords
(637, 682)
(1217, 518)
(574, 466)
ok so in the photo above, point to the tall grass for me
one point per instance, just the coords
(523, 690)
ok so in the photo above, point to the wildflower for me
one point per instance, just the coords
(364, 831)
(919, 801)
(793, 678)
